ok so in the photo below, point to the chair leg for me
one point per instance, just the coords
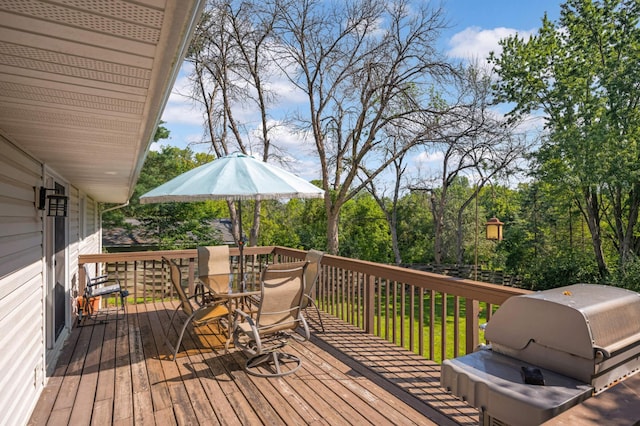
(174, 351)
(277, 360)
(176, 348)
(319, 316)
(312, 302)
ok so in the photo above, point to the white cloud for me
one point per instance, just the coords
(429, 158)
(180, 109)
(477, 43)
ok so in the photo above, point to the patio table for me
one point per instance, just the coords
(237, 296)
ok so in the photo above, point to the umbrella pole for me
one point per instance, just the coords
(241, 247)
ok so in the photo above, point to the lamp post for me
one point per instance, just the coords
(493, 233)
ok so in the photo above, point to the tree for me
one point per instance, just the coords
(364, 231)
(582, 73)
(474, 141)
(173, 225)
(362, 66)
(389, 205)
(415, 228)
(230, 60)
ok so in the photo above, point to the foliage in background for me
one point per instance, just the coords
(575, 220)
(582, 74)
(364, 231)
(169, 225)
(545, 239)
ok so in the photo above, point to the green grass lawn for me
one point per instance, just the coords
(405, 328)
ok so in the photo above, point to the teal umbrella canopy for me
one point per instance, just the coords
(234, 177)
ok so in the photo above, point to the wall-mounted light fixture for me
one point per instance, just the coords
(57, 202)
(494, 229)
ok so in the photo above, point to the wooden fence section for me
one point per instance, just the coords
(433, 315)
(469, 271)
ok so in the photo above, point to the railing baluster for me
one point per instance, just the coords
(443, 327)
(334, 285)
(369, 302)
(347, 305)
(395, 311)
(421, 321)
(456, 326)
(432, 324)
(412, 319)
(403, 311)
(386, 309)
(378, 313)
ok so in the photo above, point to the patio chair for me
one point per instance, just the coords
(213, 263)
(311, 277)
(98, 287)
(198, 315)
(279, 319)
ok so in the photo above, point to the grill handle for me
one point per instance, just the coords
(601, 354)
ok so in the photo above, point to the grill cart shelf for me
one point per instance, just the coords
(583, 339)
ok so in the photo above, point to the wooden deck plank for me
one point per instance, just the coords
(225, 397)
(105, 393)
(83, 404)
(141, 388)
(382, 412)
(123, 398)
(102, 412)
(160, 397)
(47, 399)
(190, 366)
(416, 377)
(278, 393)
(254, 399)
(347, 377)
(68, 390)
(179, 397)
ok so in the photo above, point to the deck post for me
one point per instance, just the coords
(472, 311)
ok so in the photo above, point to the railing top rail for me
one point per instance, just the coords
(486, 292)
(491, 293)
(157, 254)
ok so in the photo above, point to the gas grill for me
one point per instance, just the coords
(549, 351)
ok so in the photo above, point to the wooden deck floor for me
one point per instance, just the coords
(118, 373)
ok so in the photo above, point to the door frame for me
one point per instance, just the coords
(54, 344)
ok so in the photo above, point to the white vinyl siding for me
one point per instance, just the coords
(24, 357)
(21, 285)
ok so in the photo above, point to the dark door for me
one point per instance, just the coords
(59, 270)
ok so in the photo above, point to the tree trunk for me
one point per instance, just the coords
(459, 238)
(394, 244)
(625, 233)
(255, 228)
(593, 222)
(333, 244)
(437, 211)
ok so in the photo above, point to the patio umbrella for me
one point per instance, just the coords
(235, 177)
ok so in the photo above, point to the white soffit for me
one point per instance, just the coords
(83, 83)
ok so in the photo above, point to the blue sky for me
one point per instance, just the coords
(475, 28)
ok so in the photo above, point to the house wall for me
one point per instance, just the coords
(25, 360)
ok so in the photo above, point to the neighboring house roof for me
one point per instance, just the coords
(135, 235)
(84, 83)
(130, 236)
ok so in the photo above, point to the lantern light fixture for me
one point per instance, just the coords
(57, 203)
(494, 229)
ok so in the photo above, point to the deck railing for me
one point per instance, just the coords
(433, 315)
